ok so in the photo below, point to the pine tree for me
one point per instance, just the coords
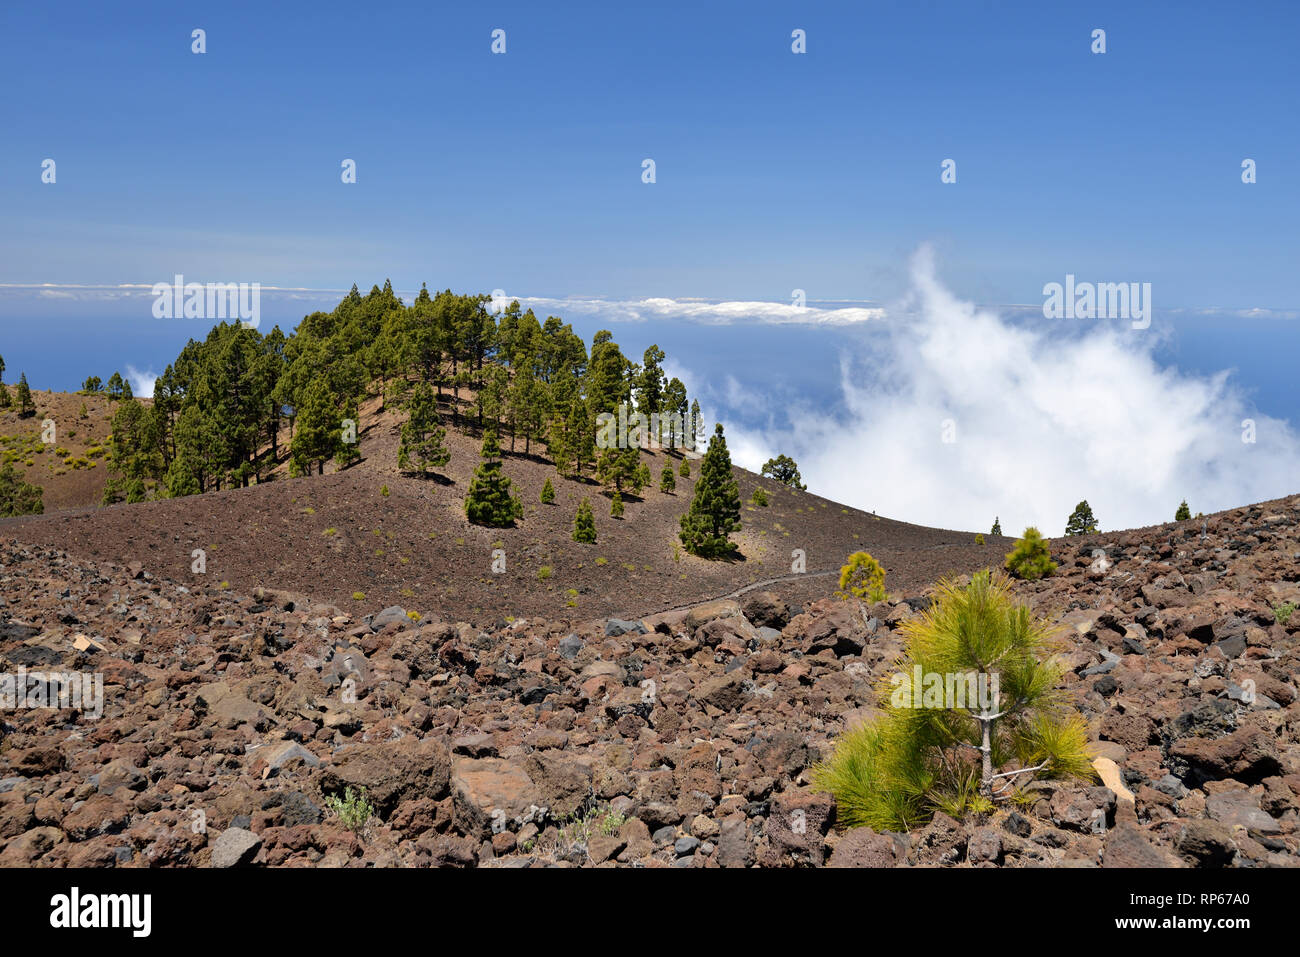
(316, 437)
(651, 384)
(349, 452)
(5, 399)
(616, 506)
(488, 501)
(667, 483)
(134, 455)
(641, 477)
(548, 492)
(695, 428)
(26, 406)
(115, 386)
(180, 479)
(685, 470)
(18, 497)
(1183, 513)
(715, 505)
(784, 470)
(1082, 521)
(960, 749)
(616, 467)
(584, 524)
(997, 527)
(675, 411)
(1031, 558)
(422, 446)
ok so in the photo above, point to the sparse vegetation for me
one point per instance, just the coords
(352, 809)
(863, 577)
(584, 526)
(784, 470)
(18, 497)
(715, 504)
(1031, 558)
(489, 501)
(1082, 521)
(929, 753)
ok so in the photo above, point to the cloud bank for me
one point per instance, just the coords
(725, 313)
(956, 415)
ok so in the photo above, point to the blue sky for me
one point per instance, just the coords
(775, 171)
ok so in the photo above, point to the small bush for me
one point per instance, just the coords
(544, 573)
(358, 596)
(979, 539)
(616, 506)
(1031, 558)
(1282, 613)
(759, 497)
(667, 482)
(548, 492)
(862, 577)
(929, 753)
(584, 526)
(383, 490)
(353, 809)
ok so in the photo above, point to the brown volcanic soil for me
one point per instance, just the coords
(335, 536)
(228, 722)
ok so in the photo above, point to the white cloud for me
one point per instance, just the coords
(699, 311)
(141, 382)
(1046, 414)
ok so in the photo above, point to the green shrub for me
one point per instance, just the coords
(352, 809)
(922, 755)
(616, 506)
(667, 481)
(759, 497)
(1183, 513)
(1282, 613)
(979, 539)
(1031, 559)
(862, 577)
(548, 492)
(584, 526)
(544, 573)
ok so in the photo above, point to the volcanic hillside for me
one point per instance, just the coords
(231, 723)
(71, 469)
(371, 536)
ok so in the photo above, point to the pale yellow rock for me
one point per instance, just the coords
(83, 643)
(1108, 771)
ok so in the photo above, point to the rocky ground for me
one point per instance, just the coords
(684, 739)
